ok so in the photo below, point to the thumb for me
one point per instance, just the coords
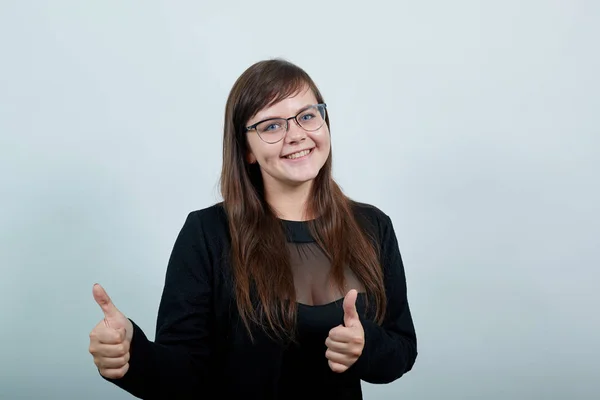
(351, 317)
(105, 303)
(122, 333)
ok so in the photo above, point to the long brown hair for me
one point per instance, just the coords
(259, 256)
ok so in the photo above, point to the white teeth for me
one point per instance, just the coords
(298, 154)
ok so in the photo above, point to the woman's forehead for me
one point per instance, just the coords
(289, 106)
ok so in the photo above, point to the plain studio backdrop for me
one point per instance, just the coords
(473, 124)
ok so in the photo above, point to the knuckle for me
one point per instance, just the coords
(110, 373)
(113, 373)
(121, 350)
(123, 370)
(338, 368)
(100, 363)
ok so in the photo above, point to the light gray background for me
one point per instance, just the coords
(474, 125)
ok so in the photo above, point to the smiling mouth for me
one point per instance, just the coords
(299, 154)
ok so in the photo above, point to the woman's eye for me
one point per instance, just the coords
(272, 127)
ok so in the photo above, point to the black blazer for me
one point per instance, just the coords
(202, 350)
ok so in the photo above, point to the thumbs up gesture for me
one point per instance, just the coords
(345, 343)
(110, 339)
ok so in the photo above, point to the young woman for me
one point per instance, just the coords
(287, 289)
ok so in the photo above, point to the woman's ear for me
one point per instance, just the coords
(250, 158)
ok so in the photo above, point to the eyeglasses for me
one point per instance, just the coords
(273, 130)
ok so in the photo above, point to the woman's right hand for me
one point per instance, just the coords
(111, 338)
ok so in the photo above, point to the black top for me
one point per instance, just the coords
(202, 350)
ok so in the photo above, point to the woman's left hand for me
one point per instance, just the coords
(345, 343)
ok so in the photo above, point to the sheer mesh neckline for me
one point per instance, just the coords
(311, 268)
(298, 231)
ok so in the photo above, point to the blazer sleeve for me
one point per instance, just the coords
(175, 365)
(390, 348)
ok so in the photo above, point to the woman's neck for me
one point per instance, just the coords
(289, 202)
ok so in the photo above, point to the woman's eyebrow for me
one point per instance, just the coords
(297, 112)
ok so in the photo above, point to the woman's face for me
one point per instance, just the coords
(300, 155)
